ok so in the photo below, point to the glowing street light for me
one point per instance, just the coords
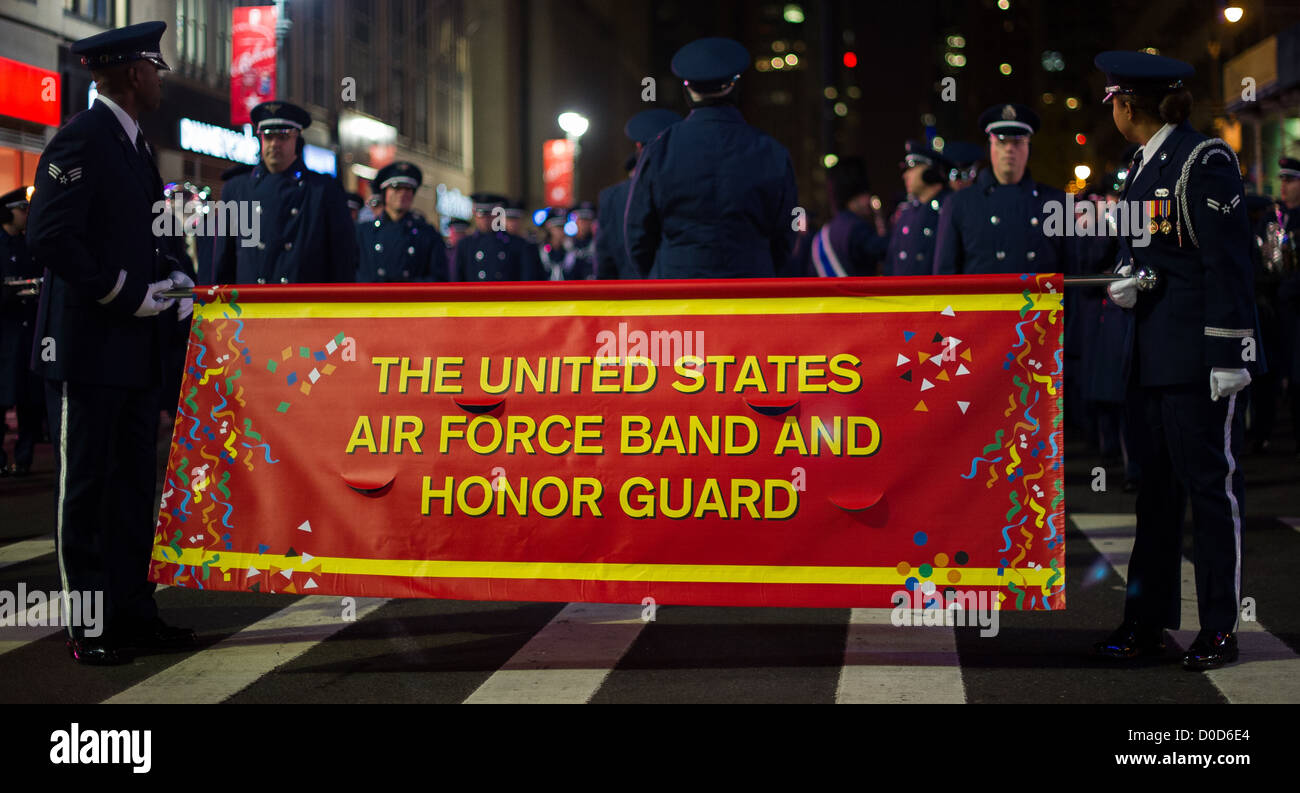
(1082, 172)
(574, 124)
(1232, 13)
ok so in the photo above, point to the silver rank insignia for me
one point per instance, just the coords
(58, 174)
(1162, 192)
(1225, 207)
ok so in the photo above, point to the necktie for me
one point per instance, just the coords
(1132, 171)
(142, 147)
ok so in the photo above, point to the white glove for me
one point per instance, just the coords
(180, 279)
(1226, 382)
(152, 306)
(1124, 293)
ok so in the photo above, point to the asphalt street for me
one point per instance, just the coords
(290, 649)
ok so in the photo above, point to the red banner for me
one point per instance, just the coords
(29, 92)
(252, 60)
(557, 172)
(810, 442)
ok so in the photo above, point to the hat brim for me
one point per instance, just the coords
(399, 181)
(1010, 129)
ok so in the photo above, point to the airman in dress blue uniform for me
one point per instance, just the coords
(398, 246)
(494, 255)
(101, 334)
(306, 235)
(848, 245)
(1287, 350)
(580, 249)
(965, 158)
(553, 250)
(611, 253)
(457, 230)
(713, 197)
(1195, 330)
(998, 224)
(911, 244)
(355, 204)
(19, 388)
(515, 218)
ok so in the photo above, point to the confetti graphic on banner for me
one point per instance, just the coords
(1018, 454)
(203, 458)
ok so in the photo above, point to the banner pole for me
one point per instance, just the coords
(1101, 279)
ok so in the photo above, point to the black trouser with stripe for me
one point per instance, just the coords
(1190, 450)
(105, 442)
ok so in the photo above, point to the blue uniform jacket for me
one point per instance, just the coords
(497, 256)
(92, 218)
(1204, 305)
(849, 241)
(713, 197)
(1288, 295)
(306, 234)
(911, 243)
(611, 253)
(996, 228)
(403, 251)
(17, 323)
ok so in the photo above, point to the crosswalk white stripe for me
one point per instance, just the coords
(26, 550)
(13, 637)
(1268, 670)
(567, 661)
(888, 664)
(233, 664)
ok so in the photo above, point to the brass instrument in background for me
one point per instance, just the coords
(1278, 247)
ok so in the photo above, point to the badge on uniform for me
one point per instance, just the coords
(1158, 211)
(58, 175)
(1225, 207)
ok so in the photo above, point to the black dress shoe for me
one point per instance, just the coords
(1131, 640)
(95, 653)
(158, 635)
(1211, 650)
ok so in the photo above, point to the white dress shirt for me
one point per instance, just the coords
(1153, 146)
(129, 125)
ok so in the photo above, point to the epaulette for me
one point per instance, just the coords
(1203, 151)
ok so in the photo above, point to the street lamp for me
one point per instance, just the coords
(574, 126)
(1082, 172)
(1233, 13)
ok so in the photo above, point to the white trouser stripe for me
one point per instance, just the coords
(63, 489)
(1236, 512)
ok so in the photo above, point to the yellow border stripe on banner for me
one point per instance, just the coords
(583, 571)
(627, 308)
